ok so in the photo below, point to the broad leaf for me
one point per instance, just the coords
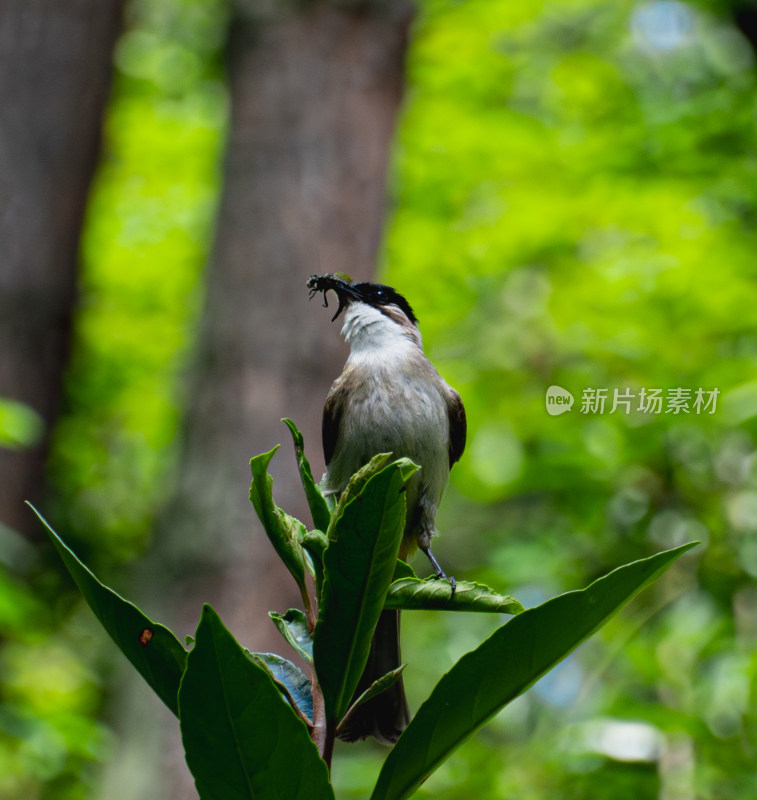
(292, 681)
(359, 563)
(242, 739)
(152, 648)
(355, 486)
(515, 656)
(293, 626)
(432, 594)
(283, 530)
(319, 508)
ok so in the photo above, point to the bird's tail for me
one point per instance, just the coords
(385, 716)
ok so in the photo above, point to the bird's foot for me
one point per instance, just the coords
(439, 573)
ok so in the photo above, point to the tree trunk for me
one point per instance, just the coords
(314, 100)
(54, 76)
(315, 92)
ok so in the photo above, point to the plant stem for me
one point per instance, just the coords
(310, 612)
(328, 747)
(323, 734)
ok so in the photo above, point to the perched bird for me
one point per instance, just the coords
(388, 399)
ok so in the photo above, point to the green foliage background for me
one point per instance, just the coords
(573, 203)
(574, 206)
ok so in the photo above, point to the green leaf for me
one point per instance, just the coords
(319, 508)
(408, 591)
(242, 739)
(431, 594)
(404, 570)
(292, 681)
(513, 658)
(293, 626)
(355, 486)
(316, 542)
(359, 563)
(378, 686)
(152, 648)
(283, 530)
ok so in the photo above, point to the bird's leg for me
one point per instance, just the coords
(438, 571)
(424, 527)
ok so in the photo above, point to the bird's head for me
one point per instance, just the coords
(376, 295)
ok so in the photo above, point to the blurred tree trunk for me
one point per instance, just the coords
(315, 90)
(54, 77)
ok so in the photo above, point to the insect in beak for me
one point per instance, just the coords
(336, 283)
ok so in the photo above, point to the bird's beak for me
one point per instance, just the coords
(342, 289)
(344, 293)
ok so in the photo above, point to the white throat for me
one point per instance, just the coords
(368, 330)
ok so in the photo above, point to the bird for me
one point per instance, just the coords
(388, 399)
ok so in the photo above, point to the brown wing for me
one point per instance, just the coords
(458, 427)
(332, 417)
